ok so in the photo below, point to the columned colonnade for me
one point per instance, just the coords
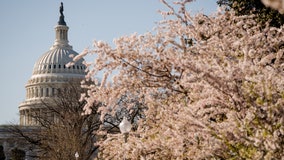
(37, 92)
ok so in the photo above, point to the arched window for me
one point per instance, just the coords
(47, 93)
(53, 92)
(36, 92)
(33, 93)
(41, 92)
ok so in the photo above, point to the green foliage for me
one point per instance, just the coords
(247, 7)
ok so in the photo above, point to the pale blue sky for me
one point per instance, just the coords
(27, 31)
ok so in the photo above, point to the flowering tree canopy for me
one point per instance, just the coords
(213, 87)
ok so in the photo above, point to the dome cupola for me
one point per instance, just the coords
(55, 60)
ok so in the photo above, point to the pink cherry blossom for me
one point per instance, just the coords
(213, 87)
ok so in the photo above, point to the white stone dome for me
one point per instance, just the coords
(55, 60)
(50, 74)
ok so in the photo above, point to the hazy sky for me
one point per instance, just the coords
(27, 32)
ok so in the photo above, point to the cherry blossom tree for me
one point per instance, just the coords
(213, 87)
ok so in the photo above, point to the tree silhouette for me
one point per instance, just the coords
(61, 129)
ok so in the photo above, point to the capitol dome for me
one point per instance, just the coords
(50, 73)
(55, 60)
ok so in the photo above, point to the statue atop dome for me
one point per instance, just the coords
(61, 9)
(61, 18)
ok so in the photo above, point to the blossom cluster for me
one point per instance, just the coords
(213, 87)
